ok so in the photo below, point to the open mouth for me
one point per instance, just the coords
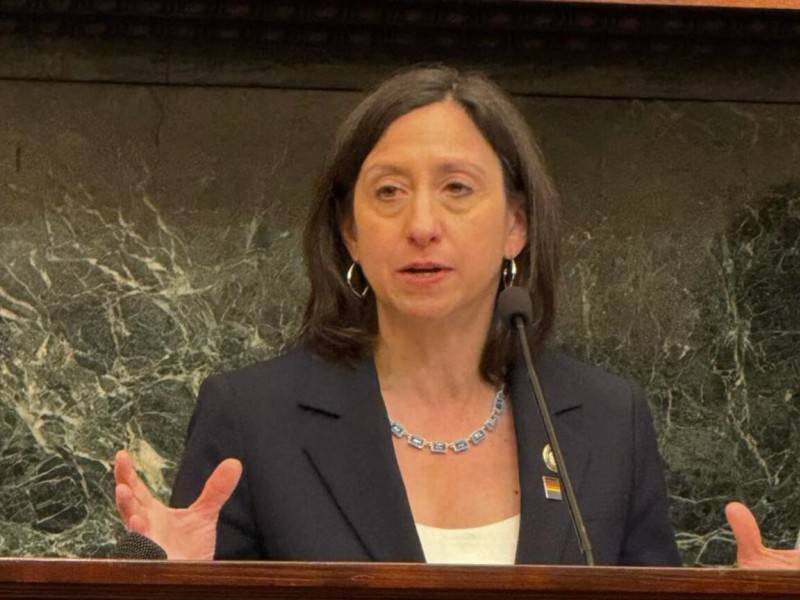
(424, 270)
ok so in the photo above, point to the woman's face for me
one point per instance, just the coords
(431, 224)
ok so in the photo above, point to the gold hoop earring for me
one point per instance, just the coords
(509, 272)
(349, 278)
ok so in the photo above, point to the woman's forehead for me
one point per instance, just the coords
(441, 134)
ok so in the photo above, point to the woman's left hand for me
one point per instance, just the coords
(750, 552)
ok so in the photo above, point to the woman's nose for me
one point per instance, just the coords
(424, 225)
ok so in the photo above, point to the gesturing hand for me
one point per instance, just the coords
(750, 552)
(183, 533)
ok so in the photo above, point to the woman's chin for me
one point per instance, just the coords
(432, 311)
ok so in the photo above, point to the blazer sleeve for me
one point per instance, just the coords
(214, 435)
(650, 539)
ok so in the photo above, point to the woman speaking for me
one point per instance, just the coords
(401, 427)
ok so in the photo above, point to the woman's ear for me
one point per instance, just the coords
(517, 236)
(347, 227)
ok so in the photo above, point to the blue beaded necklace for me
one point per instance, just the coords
(461, 444)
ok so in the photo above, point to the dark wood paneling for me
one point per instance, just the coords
(659, 49)
(56, 578)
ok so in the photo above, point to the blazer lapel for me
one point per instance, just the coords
(350, 447)
(545, 526)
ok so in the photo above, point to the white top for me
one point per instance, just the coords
(493, 544)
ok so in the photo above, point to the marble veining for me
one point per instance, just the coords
(108, 327)
(722, 375)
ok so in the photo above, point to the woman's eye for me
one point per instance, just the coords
(458, 188)
(387, 192)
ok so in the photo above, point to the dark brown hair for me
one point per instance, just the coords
(341, 327)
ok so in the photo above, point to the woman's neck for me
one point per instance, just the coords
(432, 362)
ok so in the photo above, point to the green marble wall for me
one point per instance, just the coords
(149, 236)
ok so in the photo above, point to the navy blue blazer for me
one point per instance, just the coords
(321, 481)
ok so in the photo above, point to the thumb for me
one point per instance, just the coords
(219, 486)
(745, 530)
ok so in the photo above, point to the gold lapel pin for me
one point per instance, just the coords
(549, 458)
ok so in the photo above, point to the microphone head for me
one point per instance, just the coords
(135, 546)
(514, 302)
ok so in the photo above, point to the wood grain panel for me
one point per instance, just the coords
(71, 579)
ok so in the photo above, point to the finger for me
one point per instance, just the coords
(127, 504)
(125, 473)
(219, 486)
(124, 468)
(746, 531)
(122, 462)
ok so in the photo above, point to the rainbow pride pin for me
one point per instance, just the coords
(552, 487)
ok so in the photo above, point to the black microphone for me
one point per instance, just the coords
(136, 546)
(514, 308)
(514, 302)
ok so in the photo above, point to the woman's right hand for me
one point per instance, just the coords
(183, 533)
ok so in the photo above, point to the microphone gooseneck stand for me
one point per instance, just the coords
(514, 306)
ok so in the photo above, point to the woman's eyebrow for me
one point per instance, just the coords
(384, 169)
(467, 166)
(444, 167)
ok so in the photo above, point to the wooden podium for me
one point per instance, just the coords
(129, 580)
